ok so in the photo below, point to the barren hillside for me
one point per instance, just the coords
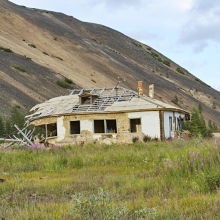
(92, 55)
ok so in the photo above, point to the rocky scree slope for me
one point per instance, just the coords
(92, 55)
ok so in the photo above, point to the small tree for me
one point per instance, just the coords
(200, 108)
(197, 125)
(210, 124)
(2, 127)
(8, 127)
(17, 117)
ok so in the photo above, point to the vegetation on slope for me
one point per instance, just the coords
(167, 180)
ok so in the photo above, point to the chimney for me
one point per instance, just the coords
(151, 91)
(140, 88)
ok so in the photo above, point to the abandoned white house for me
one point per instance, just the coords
(109, 115)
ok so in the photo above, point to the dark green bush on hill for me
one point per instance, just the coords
(63, 84)
(6, 49)
(68, 80)
(19, 68)
(180, 71)
(46, 53)
(32, 45)
(166, 62)
(198, 80)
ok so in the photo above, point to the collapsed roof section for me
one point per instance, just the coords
(100, 100)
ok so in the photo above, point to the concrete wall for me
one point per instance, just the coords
(150, 122)
(150, 125)
(167, 115)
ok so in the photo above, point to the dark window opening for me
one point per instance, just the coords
(174, 119)
(135, 125)
(99, 126)
(51, 130)
(85, 100)
(170, 124)
(74, 127)
(111, 126)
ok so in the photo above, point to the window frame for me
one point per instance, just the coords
(105, 125)
(70, 127)
(130, 125)
(170, 125)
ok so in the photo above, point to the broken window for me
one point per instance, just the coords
(99, 126)
(74, 127)
(51, 130)
(87, 99)
(170, 124)
(135, 125)
(111, 126)
(174, 120)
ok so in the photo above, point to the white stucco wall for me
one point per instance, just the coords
(166, 121)
(61, 130)
(150, 122)
(86, 125)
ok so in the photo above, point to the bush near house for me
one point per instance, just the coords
(197, 125)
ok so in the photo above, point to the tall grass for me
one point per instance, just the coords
(162, 180)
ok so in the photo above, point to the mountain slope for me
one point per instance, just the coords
(86, 53)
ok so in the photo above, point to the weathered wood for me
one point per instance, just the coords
(162, 135)
(24, 135)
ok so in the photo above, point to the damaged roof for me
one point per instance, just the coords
(115, 99)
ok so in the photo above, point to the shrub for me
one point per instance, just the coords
(19, 68)
(175, 100)
(46, 53)
(93, 80)
(167, 75)
(213, 181)
(146, 138)
(166, 62)
(198, 80)
(6, 49)
(27, 57)
(68, 80)
(214, 105)
(59, 58)
(180, 71)
(154, 54)
(135, 139)
(100, 206)
(32, 45)
(55, 38)
(63, 84)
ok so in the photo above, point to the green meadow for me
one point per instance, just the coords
(177, 179)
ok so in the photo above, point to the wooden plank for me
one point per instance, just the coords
(162, 135)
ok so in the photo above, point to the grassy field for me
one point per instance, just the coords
(157, 180)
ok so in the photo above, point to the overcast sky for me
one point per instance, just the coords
(186, 31)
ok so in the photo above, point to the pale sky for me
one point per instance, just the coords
(186, 31)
